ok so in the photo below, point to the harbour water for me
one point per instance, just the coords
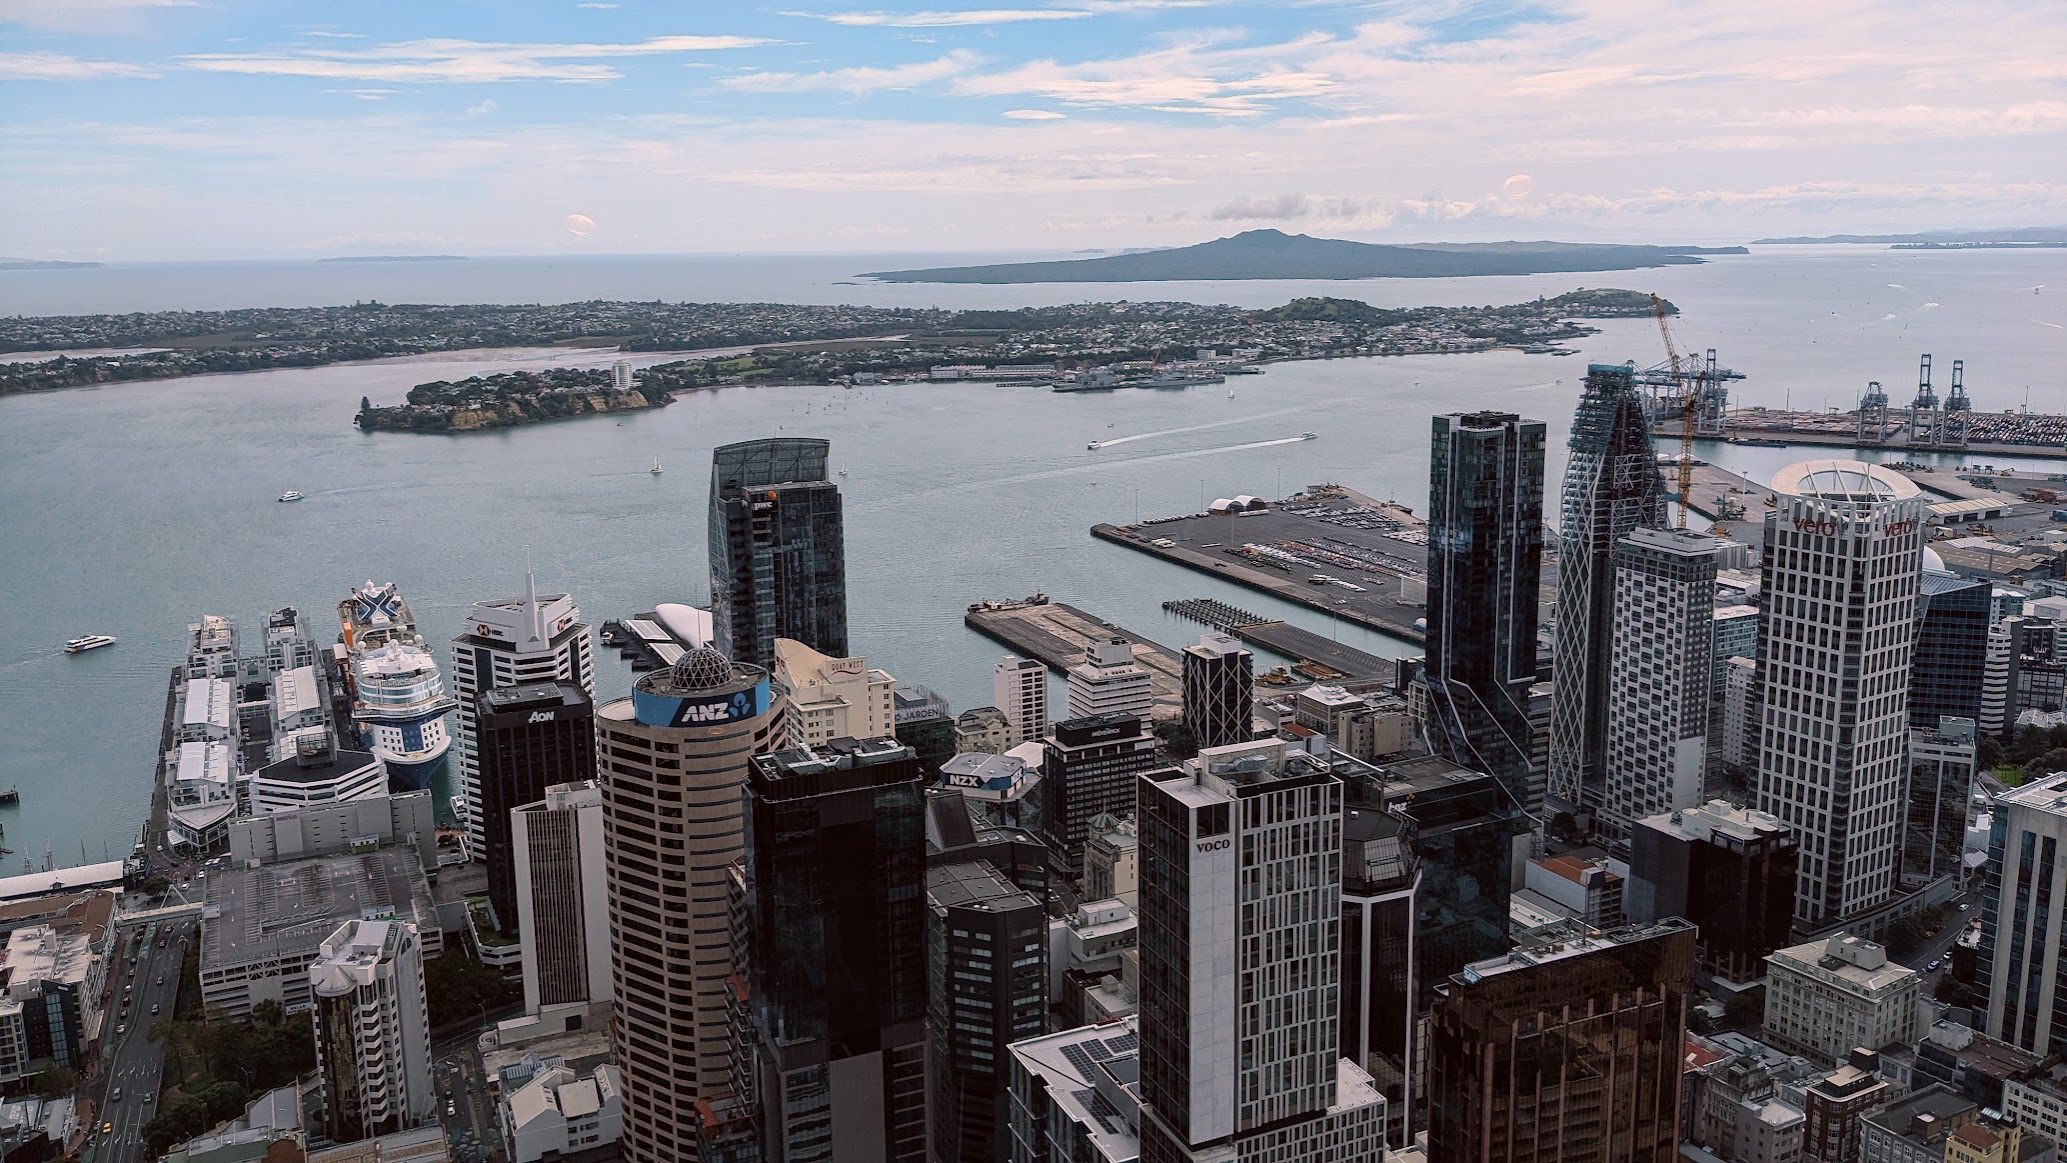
(134, 509)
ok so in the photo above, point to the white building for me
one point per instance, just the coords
(1244, 1062)
(1020, 688)
(1739, 710)
(1827, 997)
(1843, 561)
(1076, 1095)
(2023, 942)
(1659, 666)
(212, 648)
(820, 697)
(529, 638)
(321, 829)
(373, 1034)
(1995, 677)
(562, 1114)
(1735, 636)
(1109, 681)
(563, 908)
(318, 777)
(206, 711)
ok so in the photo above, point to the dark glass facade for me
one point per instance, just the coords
(1567, 1050)
(778, 556)
(1460, 827)
(987, 972)
(1219, 692)
(836, 900)
(1951, 649)
(1380, 874)
(1734, 878)
(1089, 769)
(1485, 564)
(1611, 487)
(527, 738)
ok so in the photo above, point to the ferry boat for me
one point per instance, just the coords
(399, 703)
(90, 642)
(291, 495)
(1309, 436)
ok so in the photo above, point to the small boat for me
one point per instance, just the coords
(90, 642)
(291, 495)
(843, 472)
(1309, 436)
(1093, 446)
(655, 470)
(1230, 393)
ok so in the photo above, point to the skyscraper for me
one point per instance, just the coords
(529, 638)
(1941, 785)
(2022, 947)
(836, 916)
(1088, 768)
(778, 555)
(528, 738)
(1729, 870)
(1219, 690)
(677, 753)
(1612, 488)
(1019, 686)
(987, 988)
(1656, 743)
(563, 898)
(1567, 1048)
(1842, 556)
(1951, 647)
(1241, 883)
(1381, 875)
(1485, 563)
(373, 1034)
(1110, 682)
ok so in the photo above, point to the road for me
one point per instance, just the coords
(1940, 946)
(465, 1107)
(131, 1062)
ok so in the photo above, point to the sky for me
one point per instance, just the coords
(226, 129)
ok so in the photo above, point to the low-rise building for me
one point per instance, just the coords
(1913, 1128)
(1086, 950)
(1581, 889)
(821, 698)
(1076, 1095)
(318, 776)
(1003, 790)
(322, 829)
(1767, 1131)
(1826, 997)
(1834, 1109)
(563, 1115)
(2037, 1101)
(51, 980)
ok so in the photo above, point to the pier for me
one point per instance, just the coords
(1320, 659)
(1058, 634)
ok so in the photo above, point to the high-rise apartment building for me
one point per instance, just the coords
(1020, 687)
(1843, 547)
(836, 916)
(986, 977)
(527, 738)
(373, 1033)
(1485, 563)
(1995, 679)
(1109, 682)
(1655, 753)
(1219, 690)
(778, 555)
(1951, 648)
(530, 638)
(1567, 1048)
(818, 697)
(1381, 874)
(1941, 782)
(1735, 635)
(1737, 733)
(675, 762)
(563, 899)
(1088, 769)
(2023, 944)
(1730, 870)
(1611, 489)
(1241, 887)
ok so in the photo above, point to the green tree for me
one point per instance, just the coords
(1745, 1009)
(56, 1082)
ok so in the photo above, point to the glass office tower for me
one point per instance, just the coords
(778, 557)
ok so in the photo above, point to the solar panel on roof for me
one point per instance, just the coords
(1080, 1058)
(1126, 1043)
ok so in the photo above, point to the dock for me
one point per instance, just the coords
(1057, 634)
(1718, 492)
(1320, 659)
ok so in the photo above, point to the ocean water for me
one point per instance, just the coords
(132, 510)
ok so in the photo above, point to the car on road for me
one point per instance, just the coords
(1934, 965)
(117, 1096)
(1964, 908)
(154, 1008)
(161, 979)
(107, 1128)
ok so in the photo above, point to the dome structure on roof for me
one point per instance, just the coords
(1932, 562)
(702, 669)
(1844, 480)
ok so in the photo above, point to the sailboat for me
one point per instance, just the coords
(655, 470)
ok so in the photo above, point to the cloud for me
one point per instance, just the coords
(82, 15)
(1275, 209)
(459, 61)
(50, 66)
(1186, 78)
(858, 80)
(968, 17)
(1034, 115)
(594, 4)
(482, 108)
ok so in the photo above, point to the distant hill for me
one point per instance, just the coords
(1273, 254)
(396, 258)
(2027, 234)
(33, 264)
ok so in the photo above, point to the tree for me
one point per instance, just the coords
(55, 1082)
(1745, 1009)
(456, 986)
(1954, 992)
(2050, 762)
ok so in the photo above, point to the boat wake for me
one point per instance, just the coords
(1195, 427)
(1105, 466)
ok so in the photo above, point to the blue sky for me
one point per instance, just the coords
(152, 129)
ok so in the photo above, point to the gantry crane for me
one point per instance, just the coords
(1690, 403)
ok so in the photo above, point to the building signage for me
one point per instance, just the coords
(1898, 528)
(542, 716)
(700, 711)
(962, 781)
(1215, 845)
(1812, 525)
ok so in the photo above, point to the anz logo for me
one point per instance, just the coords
(739, 706)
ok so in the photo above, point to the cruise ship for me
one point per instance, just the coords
(399, 702)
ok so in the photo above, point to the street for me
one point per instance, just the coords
(473, 1128)
(131, 1061)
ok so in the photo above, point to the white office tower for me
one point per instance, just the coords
(820, 698)
(1241, 891)
(1659, 668)
(563, 906)
(621, 376)
(1739, 742)
(532, 637)
(1844, 547)
(1995, 677)
(1019, 686)
(2022, 942)
(373, 1033)
(1110, 682)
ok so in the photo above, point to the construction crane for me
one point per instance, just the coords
(1690, 403)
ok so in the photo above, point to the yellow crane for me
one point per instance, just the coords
(1690, 404)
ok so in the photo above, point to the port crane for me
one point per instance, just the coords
(1690, 403)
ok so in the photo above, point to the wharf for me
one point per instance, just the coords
(1713, 485)
(1833, 431)
(1320, 659)
(1058, 634)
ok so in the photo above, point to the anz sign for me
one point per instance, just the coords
(713, 710)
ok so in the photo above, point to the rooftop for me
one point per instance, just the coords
(974, 885)
(1915, 1115)
(330, 765)
(287, 910)
(1844, 480)
(1561, 943)
(1093, 1076)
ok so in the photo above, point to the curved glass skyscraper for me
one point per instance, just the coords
(778, 555)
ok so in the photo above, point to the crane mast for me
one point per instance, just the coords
(1689, 405)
